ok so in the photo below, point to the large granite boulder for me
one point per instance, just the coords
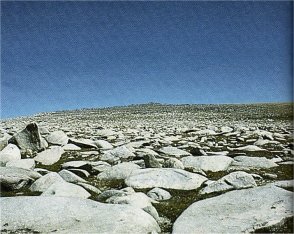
(72, 215)
(13, 178)
(240, 211)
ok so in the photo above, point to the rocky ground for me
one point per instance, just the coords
(149, 169)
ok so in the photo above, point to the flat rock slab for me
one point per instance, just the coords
(237, 211)
(234, 180)
(173, 151)
(72, 215)
(49, 156)
(245, 162)
(83, 143)
(207, 163)
(27, 163)
(168, 178)
(118, 172)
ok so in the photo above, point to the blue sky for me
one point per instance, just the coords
(69, 55)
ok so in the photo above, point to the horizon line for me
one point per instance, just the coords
(138, 104)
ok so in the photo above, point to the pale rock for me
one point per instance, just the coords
(245, 162)
(167, 178)
(207, 163)
(118, 172)
(234, 180)
(173, 151)
(65, 189)
(159, 194)
(70, 177)
(49, 156)
(71, 147)
(22, 163)
(57, 138)
(14, 178)
(240, 211)
(9, 153)
(173, 163)
(73, 215)
(102, 144)
(43, 183)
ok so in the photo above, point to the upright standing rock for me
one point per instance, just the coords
(28, 139)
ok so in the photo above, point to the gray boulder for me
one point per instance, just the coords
(173, 163)
(70, 177)
(28, 139)
(57, 138)
(207, 163)
(240, 211)
(118, 172)
(139, 200)
(151, 162)
(43, 183)
(168, 178)
(28, 163)
(104, 145)
(234, 180)
(173, 151)
(247, 163)
(83, 143)
(89, 188)
(9, 153)
(65, 189)
(159, 194)
(121, 152)
(71, 147)
(73, 215)
(13, 178)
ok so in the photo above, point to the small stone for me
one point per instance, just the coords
(159, 194)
